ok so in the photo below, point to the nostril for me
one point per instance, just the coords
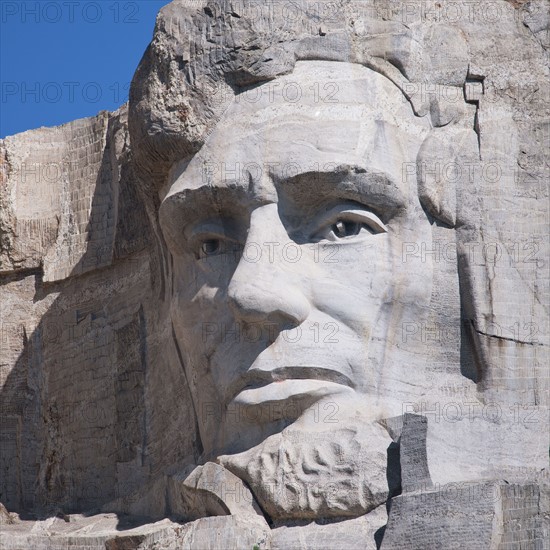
(268, 330)
(277, 322)
(273, 302)
(282, 321)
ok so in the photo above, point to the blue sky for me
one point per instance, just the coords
(62, 59)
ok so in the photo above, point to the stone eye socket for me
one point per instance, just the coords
(346, 223)
(210, 247)
(342, 229)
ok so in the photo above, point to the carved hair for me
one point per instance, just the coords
(204, 53)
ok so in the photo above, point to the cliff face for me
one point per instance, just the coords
(81, 323)
(96, 408)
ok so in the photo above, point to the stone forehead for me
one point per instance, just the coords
(327, 84)
(203, 46)
(322, 89)
(366, 122)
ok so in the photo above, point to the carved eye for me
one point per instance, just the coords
(210, 247)
(343, 229)
(345, 223)
(211, 238)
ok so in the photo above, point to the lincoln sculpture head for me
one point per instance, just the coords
(288, 194)
(287, 231)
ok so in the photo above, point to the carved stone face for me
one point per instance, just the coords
(287, 232)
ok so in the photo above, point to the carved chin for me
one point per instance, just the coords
(304, 475)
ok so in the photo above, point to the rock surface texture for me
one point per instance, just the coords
(294, 294)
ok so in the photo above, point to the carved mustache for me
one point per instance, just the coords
(257, 378)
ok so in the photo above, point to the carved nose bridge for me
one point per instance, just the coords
(261, 288)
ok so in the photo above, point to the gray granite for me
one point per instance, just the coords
(293, 294)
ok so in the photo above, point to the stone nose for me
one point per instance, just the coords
(265, 287)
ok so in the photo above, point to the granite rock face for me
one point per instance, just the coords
(294, 295)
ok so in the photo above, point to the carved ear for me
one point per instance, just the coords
(443, 166)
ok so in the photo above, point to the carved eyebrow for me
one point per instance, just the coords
(211, 195)
(182, 208)
(375, 189)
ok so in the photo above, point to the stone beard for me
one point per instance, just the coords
(287, 231)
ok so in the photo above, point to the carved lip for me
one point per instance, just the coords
(257, 378)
